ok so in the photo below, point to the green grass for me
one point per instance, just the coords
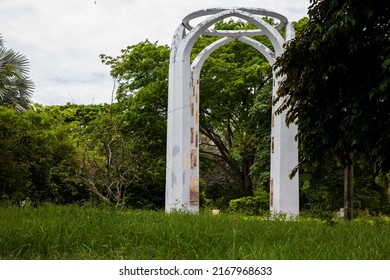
(72, 232)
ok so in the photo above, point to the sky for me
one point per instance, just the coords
(63, 39)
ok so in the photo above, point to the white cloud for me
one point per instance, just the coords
(63, 38)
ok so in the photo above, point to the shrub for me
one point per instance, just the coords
(250, 205)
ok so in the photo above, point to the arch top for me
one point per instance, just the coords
(218, 14)
(234, 33)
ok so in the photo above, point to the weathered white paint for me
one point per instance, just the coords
(182, 178)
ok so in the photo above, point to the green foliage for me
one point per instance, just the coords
(141, 67)
(300, 26)
(142, 72)
(321, 189)
(250, 205)
(37, 158)
(70, 153)
(336, 85)
(370, 195)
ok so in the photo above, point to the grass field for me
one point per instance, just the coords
(73, 232)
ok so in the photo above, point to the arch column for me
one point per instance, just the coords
(182, 177)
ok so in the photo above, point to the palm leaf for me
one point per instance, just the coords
(15, 86)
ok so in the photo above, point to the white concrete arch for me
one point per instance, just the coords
(182, 178)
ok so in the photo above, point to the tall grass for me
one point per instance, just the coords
(73, 232)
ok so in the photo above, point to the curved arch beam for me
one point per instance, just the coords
(276, 39)
(256, 11)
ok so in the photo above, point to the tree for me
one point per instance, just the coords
(142, 73)
(336, 86)
(106, 161)
(15, 86)
(38, 157)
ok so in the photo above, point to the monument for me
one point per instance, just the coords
(182, 173)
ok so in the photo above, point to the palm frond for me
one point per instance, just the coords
(16, 88)
(14, 61)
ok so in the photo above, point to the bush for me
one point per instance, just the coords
(250, 205)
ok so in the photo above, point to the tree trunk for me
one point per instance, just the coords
(388, 185)
(246, 178)
(348, 192)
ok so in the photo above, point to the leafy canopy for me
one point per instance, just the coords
(336, 83)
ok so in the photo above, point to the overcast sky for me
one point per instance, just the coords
(63, 38)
